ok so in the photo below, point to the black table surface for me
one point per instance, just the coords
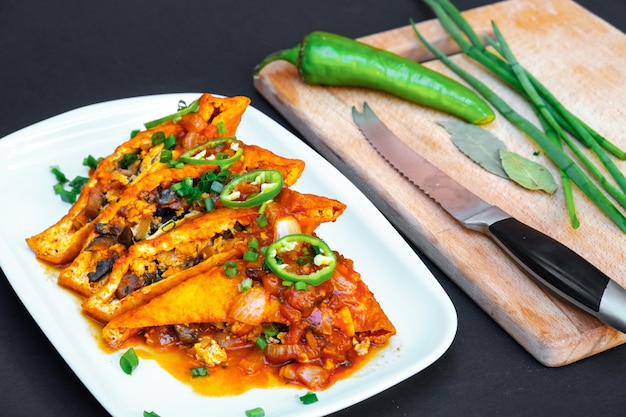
(61, 55)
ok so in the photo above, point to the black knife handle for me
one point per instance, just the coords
(552, 264)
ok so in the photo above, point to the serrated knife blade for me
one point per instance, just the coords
(545, 260)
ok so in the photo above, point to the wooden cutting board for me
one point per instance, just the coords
(582, 59)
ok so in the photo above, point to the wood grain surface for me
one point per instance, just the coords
(582, 59)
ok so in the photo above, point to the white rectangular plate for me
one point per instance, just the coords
(414, 301)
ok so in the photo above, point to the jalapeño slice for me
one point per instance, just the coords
(301, 258)
(221, 151)
(252, 188)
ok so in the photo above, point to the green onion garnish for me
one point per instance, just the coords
(150, 414)
(129, 361)
(250, 256)
(300, 286)
(230, 269)
(91, 162)
(209, 204)
(271, 330)
(221, 128)
(157, 138)
(134, 133)
(262, 221)
(199, 371)
(261, 342)
(170, 142)
(309, 398)
(128, 159)
(217, 187)
(60, 176)
(166, 156)
(255, 412)
(245, 285)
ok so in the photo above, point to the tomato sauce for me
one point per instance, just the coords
(244, 370)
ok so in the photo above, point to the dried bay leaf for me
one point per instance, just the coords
(527, 173)
(478, 144)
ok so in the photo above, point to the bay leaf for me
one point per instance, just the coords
(478, 144)
(527, 173)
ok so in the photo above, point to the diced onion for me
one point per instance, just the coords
(286, 226)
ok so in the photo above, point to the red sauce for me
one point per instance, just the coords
(243, 371)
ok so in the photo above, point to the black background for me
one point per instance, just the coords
(60, 55)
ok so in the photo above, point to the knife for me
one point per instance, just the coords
(545, 260)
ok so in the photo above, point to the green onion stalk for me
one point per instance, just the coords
(554, 117)
(547, 145)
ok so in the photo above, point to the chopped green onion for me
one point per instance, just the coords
(209, 204)
(166, 156)
(253, 244)
(262, 221)
(217, 186)
(221, 128)
(157, 138)
(230, 269)
(66, 195)
(255, 412)
(309, 398)
(171, 224)
(134, 133)
(150, 414)
(250, 256)
(128, 159)
(91, 162)
(287, 283)
(199, 371)
(78, 183)
(223, 175)
(170, 142)
(245, 285)
(271, 330)
(261, 342)
(300, 286)
(60, 176)
(129, 361)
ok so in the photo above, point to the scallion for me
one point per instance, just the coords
(209, 205)
(170, 142)
(262, 221)
(230, 269)
(255, 412)
(250, 256)
(261, 342)
(199, 371)
(309, 398)
(129, 361)
(157, 138)
(245, 284)
(166, 156)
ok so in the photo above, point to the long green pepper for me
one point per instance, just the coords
(324, 58)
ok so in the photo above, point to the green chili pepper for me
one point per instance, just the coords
(252, 188)
(330, 59)
(281, 258)
(222, 152)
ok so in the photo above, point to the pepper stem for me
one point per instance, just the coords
(289, 55)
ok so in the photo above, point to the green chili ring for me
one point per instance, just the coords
(270, 182)
(322, 256)
(197, 154)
